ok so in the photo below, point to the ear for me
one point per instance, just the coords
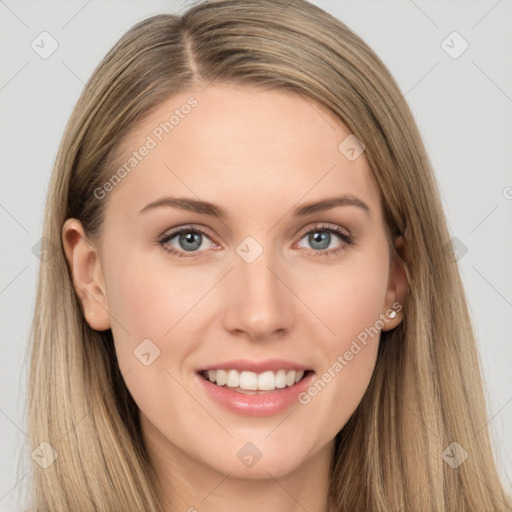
(397, 287)
(85, 266)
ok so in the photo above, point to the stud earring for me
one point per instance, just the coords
(392, 314)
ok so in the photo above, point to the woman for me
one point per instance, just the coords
(193, 346)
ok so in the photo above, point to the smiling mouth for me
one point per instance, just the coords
(254, 383)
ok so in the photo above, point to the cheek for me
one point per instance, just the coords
(145, 304)
(348, 301)
(351, 309)
(140, 307)
(147, 299)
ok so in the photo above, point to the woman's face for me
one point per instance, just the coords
(259, 289)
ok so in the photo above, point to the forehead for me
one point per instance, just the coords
(241, 145)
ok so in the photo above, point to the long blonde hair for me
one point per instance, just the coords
(426, 391)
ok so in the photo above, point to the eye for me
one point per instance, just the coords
(320, 238)
(188, 239)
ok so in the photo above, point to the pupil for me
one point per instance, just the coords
(190, 238)
(319, 237)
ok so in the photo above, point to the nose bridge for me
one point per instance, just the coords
(257, 281)
(261, 303)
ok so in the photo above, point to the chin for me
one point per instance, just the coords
(259, 460)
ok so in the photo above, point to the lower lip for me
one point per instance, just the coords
(264, 404)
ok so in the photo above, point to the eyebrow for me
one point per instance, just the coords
(207, 208)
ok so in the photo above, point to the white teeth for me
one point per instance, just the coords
(250, 381)
(233, 379)
(280, 379)
(266, 381)
(221, 377)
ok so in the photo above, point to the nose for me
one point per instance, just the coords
(260, 305)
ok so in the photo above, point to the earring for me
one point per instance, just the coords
(392, 314)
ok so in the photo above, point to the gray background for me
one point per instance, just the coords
(462, 105)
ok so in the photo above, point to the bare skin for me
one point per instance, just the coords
(259, 155)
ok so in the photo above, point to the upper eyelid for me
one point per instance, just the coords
(323, 226)
(176, 231)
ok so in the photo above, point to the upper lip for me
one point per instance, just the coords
(255, 366)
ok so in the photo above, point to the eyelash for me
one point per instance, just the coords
(347, 239)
